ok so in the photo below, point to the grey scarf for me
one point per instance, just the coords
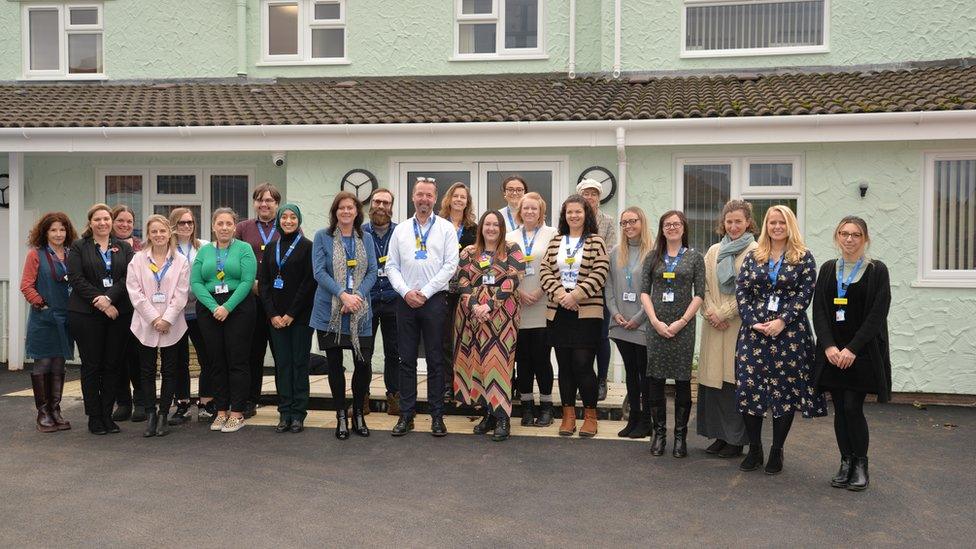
(357, 320)
(728, 250)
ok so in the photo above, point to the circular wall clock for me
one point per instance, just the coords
(359, 182)
(4, 187)
(605, 178)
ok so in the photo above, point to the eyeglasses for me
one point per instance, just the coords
(845, 235)
(266, 201)
(672, 225)
(515, 190)
(628, 222)
(426, 179)
(184, 223)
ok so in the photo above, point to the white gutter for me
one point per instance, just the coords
(241, 37)
(873, 127)
(616, 37)
(572, 38)
(621, 171)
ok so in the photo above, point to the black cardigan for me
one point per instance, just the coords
(86, 269)
(295, 298)
(871, 339)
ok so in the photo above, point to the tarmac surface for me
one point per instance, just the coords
(256, 488)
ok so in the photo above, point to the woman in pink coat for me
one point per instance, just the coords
(158, 281)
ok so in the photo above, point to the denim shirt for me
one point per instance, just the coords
(382, 291)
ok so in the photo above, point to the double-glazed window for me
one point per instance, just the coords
(754, 27)
(706, 184)
(303, 31)
(63, 40)
(949, 220)
(498, 29)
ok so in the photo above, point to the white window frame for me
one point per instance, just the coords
(497, 16)
(65, 29)
(928, 275)
(306, 24)
(748, 52)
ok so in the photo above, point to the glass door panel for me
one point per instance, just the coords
(539, 177)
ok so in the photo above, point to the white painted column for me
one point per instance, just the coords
(15, 304)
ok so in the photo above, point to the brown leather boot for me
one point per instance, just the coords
(589, 423)
(45, 423)
(393, 405)
(366, 404)
(55, 391)
(568, 426)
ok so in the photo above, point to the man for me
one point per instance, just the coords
(423, 256)
(513, 189)
(383, 298)
(259, 233)
(591, 190)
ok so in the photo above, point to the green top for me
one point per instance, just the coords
(240, 269)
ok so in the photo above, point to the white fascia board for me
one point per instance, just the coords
(873, 127)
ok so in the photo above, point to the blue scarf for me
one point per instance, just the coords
(728, 250)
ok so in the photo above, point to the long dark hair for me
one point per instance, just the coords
(88, 232)
(38, 234)
(357, 223)
(589, 220)
(661, 243)
(479, 243)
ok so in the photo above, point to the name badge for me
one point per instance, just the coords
(840, 315)
(349, 281)
(159, 298)
(840, 301)
(668, 275)
(489, 279)
(382, 259)
(421, 254)
(569, 277)
(630, 296)
(529, 270)
(484, 264)
(221, 289)
(381, 272)
(350, 263)
(278, 283)
(106, 283)
(773, 304)
(570, 260)
(262, 247)
(529, 258)
(668, 296)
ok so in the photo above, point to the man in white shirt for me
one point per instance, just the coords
(513, 189)
(423, 257)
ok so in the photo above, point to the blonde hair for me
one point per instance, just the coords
(795, 248)
(157, 218)
(467, 216)
(174, 219)
(862, 225)
(542, 208)
(646, 243)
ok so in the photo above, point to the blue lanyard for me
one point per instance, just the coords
(628, 272)
(670, 266)
(842, 284)
(422, 236)
(222, 259)
(381, 244)
(460, 231)
(266, 238)
(774, 268)
(529, 245)
(107, 258)
(578, 246)
(511, 220)
(158, 273)
(63, 271)
(189, 248)
(278, 258)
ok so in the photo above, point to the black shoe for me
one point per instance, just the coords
(632, 422)
(122, 412)
(602, 392)
(843, 476)
(250, 410)
(503, 428)
(359, 423)
(403, 426)
(528, 413)
(96, 426)
(753, 460)
(681, 414)
(544, 418)
(181, 415)
(774, 465)
(437, 427)
(342, 425)
(151, 417)
(138, 414)
(643, 427)
(297, 426)
(284, 425)
(486, 425)
(715, 447)
(659, 442)
(111, 426)
(730, 451)
(859, 474)
(162, 428)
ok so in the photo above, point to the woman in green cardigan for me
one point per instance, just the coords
(222, 276)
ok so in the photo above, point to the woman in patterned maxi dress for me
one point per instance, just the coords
(487, 322)
(774, 351)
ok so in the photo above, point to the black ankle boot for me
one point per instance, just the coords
(659, 418)
(859, 474)
(681, 414)
(162, 422)
(843, 476)
(774, 465)
(96, 426)
(753, 460)
(151, 417)
(528, 413)
(342, 425)
(643, 427)
(544, 419)
(503, 428)
(110, 425)
(359, 423)
(122, 412)
(486, 425)
(632, 422)
(138, 414)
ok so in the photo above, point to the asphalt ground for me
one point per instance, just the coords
(256, 488)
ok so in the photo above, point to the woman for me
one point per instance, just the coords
(774, 350)
(158, 282)
(456, 207)
(672, 292)
(181, 220)
(99, 313)
(573, 274)
(130, 402)
(851, 320)
(286, 287)
(344, 266)
(487, 319)
(718, 417)
(532, 349)
(44, 284)
(221, 279)
(628, 328)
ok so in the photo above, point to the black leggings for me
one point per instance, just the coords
(576, 372)
(532, 355)
(169, 357)
(50, 365)
(682, 392)
(635, 366)
(781, 428)
(361, 375)
(850, 425)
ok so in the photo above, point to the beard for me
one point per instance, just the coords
(378, 217)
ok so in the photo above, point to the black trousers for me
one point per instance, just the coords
(260, 337)
(130, 375)
(101, 348)
(576, 373)
(147, 364)
(229, 357)
(532, 351)
(361, 376)
(205, 385)
(411, 323)
(635, 367)
(384, 316)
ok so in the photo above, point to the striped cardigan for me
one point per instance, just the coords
(593, 273)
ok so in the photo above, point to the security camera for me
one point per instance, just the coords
(863, 188)
(278, 159)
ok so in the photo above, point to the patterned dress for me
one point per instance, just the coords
(775, 372)
(671, 358)
(484, 354)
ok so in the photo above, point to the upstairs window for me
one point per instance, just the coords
(498, 29)
(714, 28)
(63, 41)
(303, 31)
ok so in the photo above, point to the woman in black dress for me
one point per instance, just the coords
(850, 316)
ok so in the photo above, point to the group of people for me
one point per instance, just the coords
(489, 298)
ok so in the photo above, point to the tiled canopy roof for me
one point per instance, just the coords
(485, 99)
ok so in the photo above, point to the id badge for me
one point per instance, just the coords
(278, 283)
(529, 270)
(489, 279)
(420, 254)
(668, 275)
(668, 296)
(262, 247)
(351, 263)
(570, 260)
(382, 260)
(484, 264)
(840, 315)
(773, 304)
(159, 298)
(349, 280)
(221, 289)
(840, 301)
(529, 258)
(381, 272)
(106, 283)
(630, 296)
